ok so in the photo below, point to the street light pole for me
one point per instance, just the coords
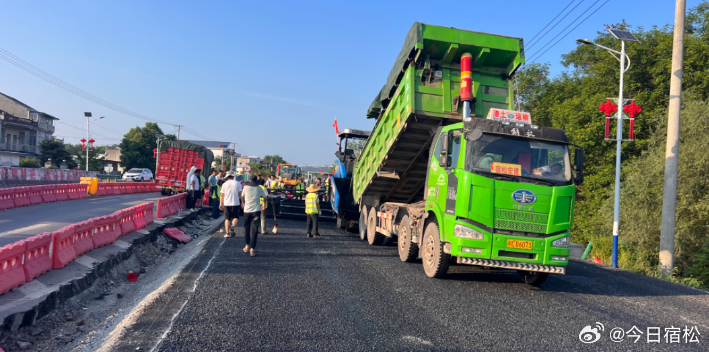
(88, 138)
(619, 140)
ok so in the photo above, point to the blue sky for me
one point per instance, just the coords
(268, 75)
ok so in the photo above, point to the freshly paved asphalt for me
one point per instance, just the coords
(340, 294)
(19, 223)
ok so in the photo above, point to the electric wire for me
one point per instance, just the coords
(11, 58)
(554, 26)
(569, 32)
(550, 22)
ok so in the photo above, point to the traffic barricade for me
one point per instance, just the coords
(104, 227)
(163, 207)
(82, 237)
(7, 198)
(82, 190)
(22, 197)
(149, 217)
(72, 191)
(175, 233)
(205, 200)
(181, 201)
(35, 194)
(12, 273)
(139, 217)
(116, 187)
(127, 225)
(123, 188)
(174, 204)
(49, 193)
(38, 255)
(101, 189)
(62, 192)
(63, 247)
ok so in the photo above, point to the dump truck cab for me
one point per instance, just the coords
(502, 194)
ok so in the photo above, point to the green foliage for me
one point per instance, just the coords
(57, 151)
(29, 162)
(218, 162)
(95, 163)
(138, 144)
(700, 269)
(570, 102)
(258, 169)
(274, 159)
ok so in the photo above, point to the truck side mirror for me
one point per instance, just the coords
(444, 143)
(578, 165)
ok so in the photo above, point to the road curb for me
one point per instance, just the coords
(23, 306)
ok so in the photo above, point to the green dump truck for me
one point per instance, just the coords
(451, 174)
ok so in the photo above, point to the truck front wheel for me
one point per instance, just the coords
(435, 261)
(363, 223)
(408, 251)
(374, 238)
(533, 278)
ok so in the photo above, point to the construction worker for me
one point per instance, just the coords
(312, 210)
(299, 189)
(215, 194)
(264, 206)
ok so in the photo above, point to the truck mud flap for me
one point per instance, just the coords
(513, 265)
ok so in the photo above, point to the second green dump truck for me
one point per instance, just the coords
(452, 174)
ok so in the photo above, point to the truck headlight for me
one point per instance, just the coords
(466, 232)
(557, 258)
(561, 242)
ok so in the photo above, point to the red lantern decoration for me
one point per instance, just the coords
(155, 153)
(92, 143)
(608, 108)
(83, 143)
(632, 110)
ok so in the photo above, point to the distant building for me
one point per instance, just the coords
(112, 162)
(246, 160)
(22, 129)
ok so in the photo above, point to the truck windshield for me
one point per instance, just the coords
(537, 159)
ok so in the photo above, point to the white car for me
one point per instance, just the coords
(140, 175)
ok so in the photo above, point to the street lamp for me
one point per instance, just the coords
(157, 153)
(88, 122)
(623, 36)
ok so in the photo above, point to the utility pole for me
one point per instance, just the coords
(178, 131)
(88, 116)
(669, 196)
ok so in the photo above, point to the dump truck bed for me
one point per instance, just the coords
(420, 95)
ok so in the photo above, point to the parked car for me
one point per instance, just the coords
(140, 175)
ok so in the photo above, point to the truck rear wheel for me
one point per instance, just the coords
(408, 251)
(435, 261)
(533, 278)
(363, 223)
(373, 237)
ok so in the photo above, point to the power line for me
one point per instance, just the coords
(82, 129)
(11, 58)
(560, 39)
(550, 22)
(557, 23)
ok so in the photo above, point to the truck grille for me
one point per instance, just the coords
(520, 221)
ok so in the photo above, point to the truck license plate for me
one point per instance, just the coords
(519, 244)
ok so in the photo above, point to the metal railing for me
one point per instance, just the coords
(19, 147)
(18, 120)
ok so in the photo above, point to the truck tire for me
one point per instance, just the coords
(363, 223)
(408, 251)
(435, 261)
(533, 278)
(374, 238)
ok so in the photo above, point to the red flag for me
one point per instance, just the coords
(321, 171)
(337, 131)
